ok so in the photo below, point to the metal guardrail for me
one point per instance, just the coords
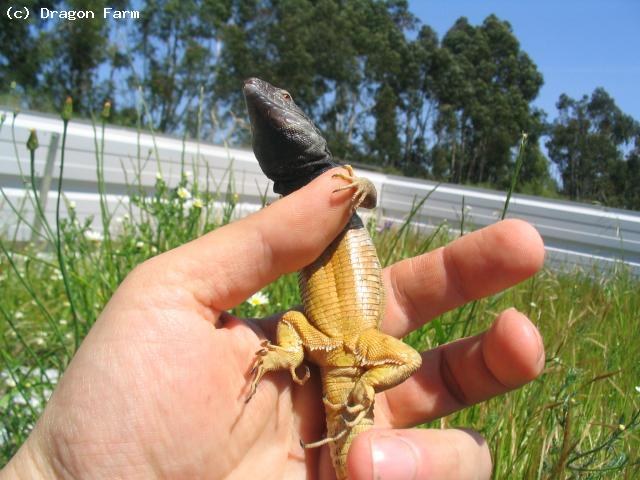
(574, 233)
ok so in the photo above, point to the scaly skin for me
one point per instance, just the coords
(342, 291)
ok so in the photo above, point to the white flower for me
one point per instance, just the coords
(18, 315)
(93, 236)
(533, 304)
(68, 336)
(638, 388)
(257, 299)
(62, 322)
(197, 203)
(158, 176)
(45, 256)
(621, 427)
(39, 341)
(183, 193)
(33, 401)
(10, 382)
(52, 374)
(188, 173)
(139, 244)
(72, 205)
(154, 249)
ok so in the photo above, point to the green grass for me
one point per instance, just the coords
(580, 419)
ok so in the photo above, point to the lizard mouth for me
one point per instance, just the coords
(273, 105)
(263, 104)
(251, 86)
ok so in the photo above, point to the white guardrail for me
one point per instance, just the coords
(574, 233)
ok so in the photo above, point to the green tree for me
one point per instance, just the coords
(22, 55)
(484, 86)
(534, 177)
(333, 55)
(385, 144)
(177, 46)
(75, 51)
(404, 105)
(630, 181)
(587, 143)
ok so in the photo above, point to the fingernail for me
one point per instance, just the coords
(533, 332)
(394, 458)
(536, 334)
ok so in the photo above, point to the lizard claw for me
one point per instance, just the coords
(334, 407)
(365, 194)
(257, 371)
(352, 409)
(324, 441)
(352, 423)
(298, 380)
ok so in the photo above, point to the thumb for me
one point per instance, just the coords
(416, 454)
(225, 266)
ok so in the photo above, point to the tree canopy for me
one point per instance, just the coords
(587, 142)
(384, 89)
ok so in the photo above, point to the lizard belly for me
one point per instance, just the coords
(342, 290)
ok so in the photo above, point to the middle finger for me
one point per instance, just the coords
(481, 263)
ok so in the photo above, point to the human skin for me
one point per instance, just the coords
(157, 388)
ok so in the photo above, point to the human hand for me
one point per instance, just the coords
(157, 388)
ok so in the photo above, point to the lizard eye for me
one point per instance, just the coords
(286, 95)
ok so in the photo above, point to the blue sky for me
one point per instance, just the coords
(578, 45)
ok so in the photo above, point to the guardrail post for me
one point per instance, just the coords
(45, 182)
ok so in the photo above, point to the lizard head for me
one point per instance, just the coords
(290, 149)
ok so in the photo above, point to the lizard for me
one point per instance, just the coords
(343, 298)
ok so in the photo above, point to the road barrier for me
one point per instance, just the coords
(575, 234)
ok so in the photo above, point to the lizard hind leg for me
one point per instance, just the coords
(389, 362)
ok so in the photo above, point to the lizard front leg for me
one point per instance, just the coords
(293, 335)
(364, 195)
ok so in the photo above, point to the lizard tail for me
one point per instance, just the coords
(337, 385)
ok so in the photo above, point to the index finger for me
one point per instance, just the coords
(224, 267)
(481, 263)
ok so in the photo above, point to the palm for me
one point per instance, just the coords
(171, 394)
